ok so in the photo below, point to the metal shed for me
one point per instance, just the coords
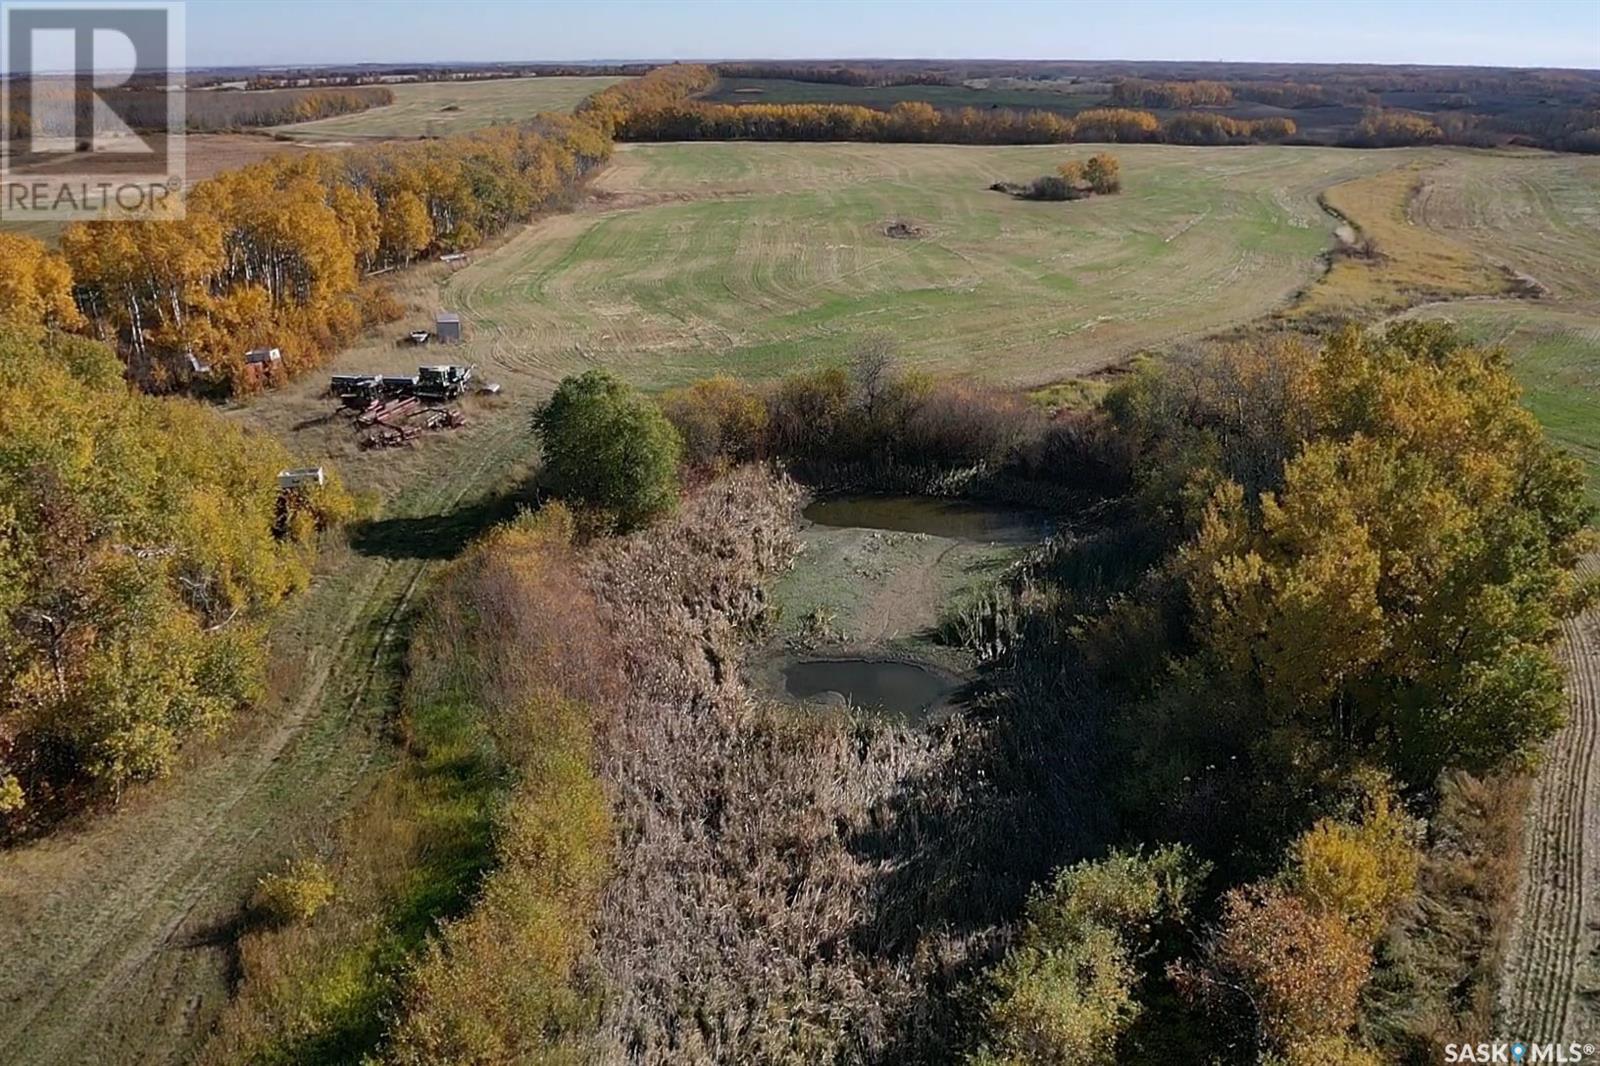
(447, 327)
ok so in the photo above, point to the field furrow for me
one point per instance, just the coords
(1548, 981)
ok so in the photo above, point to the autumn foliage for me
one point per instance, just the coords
(1390, 128)
(278, 254)
(140, 550)
(1138, 92)
(275, 254)
(35, 286)
(692, 120)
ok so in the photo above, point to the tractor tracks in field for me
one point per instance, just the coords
(1548, 984)
(115, 941)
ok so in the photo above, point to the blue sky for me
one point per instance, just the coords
(1508, 33)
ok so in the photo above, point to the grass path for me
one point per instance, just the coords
(117, 937)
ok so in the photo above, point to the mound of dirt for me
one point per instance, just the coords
(904, 231)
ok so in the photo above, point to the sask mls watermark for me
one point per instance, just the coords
(1519, 1052)
(92, 97)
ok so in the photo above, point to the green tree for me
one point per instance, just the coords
(136, 567)
(608, 447)
(1067, 989)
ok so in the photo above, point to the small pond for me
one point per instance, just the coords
(881, 684)
(939, 517)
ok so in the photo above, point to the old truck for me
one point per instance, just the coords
(442, 382)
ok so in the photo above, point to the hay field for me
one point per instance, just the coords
(438, 108)
(1538, 216)
(755, 258)
(758, 258)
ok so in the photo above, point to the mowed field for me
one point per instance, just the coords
(756, 258)
(444, 107)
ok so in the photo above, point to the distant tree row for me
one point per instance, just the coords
(1137, 92)
(662, 87)
(1289, 94)
(920, 122)
(834, 74)
(147, 109)
(1387, 128)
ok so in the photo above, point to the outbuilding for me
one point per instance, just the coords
(447, 327)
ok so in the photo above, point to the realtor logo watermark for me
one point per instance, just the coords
(92, 98)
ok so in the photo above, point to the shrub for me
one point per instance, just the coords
(1051, 187)
(1300, 972)
(1103, 173)
(1363, 871)
(808, 410)
(500, 983)
(295, 895)
(962, 423)
(608, 447)
(720, 420)
(1066, 990)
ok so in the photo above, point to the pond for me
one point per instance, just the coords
(881, 684)
(939, 517)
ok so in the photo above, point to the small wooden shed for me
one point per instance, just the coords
(447, 327)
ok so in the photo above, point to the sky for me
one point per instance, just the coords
(1558, 33)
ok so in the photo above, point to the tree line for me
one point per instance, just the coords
(1340, 581)
(143, 542)
(689, 120)
(1138, 92)
(278, 254)
(834, 74)
(203, 111)
(138, 568)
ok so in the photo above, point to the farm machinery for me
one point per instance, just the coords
(392, 410)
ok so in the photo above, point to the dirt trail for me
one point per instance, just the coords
(1547, 989)
(114, 940)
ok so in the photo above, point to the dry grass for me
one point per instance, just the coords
(207, 155)
(434, 109)
(1394, 262)
(757, 901)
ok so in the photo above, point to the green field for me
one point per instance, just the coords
(437, 108)
(1556, 356)
(755, 258)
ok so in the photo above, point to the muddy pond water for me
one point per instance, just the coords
(884, 588)
(871, 684)
(935, 516)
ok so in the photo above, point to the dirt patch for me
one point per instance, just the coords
(906, 231)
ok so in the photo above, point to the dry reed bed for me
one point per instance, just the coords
(743, 923)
